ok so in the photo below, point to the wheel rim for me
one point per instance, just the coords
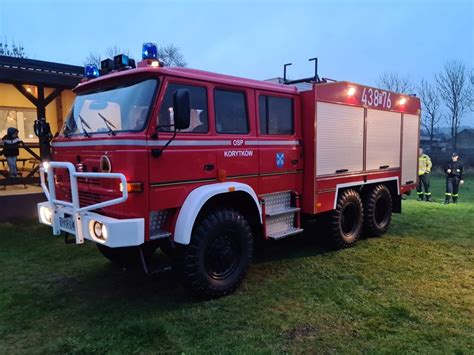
(222, 255)
(349, 218)
(382, 211)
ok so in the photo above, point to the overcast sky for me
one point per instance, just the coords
(354, 40)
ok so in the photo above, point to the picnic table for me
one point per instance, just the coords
(28, 168)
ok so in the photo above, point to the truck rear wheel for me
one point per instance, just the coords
(346, 220)
(377, 211)
(127, 256)
(218, 256)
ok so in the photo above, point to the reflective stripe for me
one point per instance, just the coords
(264, 142)
(162, 142)
(427, 193)
(455, 195)
(448, 194)
(99, 142)
(419, 193)
(12, 141)
(187, 143)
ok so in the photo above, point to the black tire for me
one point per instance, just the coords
(345, 222)
(219, 254)
(377, 211)
(127, 256)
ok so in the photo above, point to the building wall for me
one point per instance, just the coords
(56, 111)
(465, 140)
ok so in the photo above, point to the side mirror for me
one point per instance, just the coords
(181, 109)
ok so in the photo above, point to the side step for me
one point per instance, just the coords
(281, 216)
(157, 220)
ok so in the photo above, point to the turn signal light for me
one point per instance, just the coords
(133, 187)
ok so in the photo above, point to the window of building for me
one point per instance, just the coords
(231, 112)
(276, 115)
(199, 113)
(22, 119)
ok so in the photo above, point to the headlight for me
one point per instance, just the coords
(46, 215)
(98, 230)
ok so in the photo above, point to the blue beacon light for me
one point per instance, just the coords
(91, 71)
(149, 51)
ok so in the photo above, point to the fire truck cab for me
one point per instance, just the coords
(204, 165)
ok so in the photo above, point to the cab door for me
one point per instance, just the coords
(235, 132)
(279, 141)
(189, 160)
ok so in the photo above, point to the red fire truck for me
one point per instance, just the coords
(204, 165)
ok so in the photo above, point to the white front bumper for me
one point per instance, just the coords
(70, 217)
(120, 232)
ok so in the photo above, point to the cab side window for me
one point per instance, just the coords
(199, 113)
(275, 114)
(231, 112)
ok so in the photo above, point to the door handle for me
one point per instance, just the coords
(294, 161)
(209, 167)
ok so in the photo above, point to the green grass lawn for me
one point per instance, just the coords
(410, 291)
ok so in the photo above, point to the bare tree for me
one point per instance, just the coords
(456, 93)
(396, 83)
(115, 50)
(431, 102)
(93, 58)
(471, 79)
(171, 56)
(12, 50)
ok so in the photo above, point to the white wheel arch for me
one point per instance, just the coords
(196, 200)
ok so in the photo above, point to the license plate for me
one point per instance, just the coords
(67, 223)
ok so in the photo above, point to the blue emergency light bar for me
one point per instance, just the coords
(149, 51)
(91, 71)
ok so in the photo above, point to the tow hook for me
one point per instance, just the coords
(69, 238)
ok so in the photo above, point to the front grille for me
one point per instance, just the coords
(89, 198)
(89, 181)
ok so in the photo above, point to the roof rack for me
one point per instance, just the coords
(312, 79)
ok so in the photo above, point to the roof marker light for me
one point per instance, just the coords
(351, 91)
(149, 51)
(91, 71)
(402, 101)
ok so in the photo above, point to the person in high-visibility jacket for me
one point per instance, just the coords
(424, 170)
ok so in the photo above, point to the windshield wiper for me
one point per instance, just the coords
(107, 123)
(84, 123)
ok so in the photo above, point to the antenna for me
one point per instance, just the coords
(284, 71)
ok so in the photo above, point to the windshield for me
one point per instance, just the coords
(124, 108)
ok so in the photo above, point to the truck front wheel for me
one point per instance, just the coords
(218, 256)
(377, 211)
(346, 220)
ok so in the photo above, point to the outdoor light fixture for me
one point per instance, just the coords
(107, 65)
(149, 51)
(98, 230)
(46, 215)
(91, 71)
(351, 91)
(122, 61)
